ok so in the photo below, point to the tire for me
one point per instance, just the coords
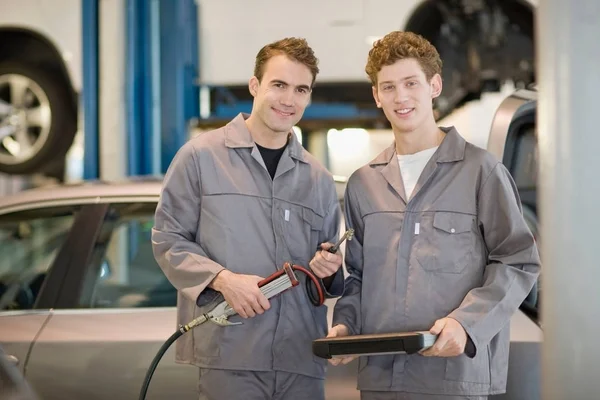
(38, 120)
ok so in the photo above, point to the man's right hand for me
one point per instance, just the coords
(241, 292)
(337, 331)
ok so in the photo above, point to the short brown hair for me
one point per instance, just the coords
(296, 49)
(399, 45)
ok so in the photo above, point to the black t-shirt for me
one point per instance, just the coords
(271, 158)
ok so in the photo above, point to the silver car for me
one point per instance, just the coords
(84, 307)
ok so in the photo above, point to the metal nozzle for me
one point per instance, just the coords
(347, 235)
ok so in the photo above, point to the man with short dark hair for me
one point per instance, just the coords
(237, 203)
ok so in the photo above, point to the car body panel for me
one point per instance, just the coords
(106, 354)
(92, 192)
(18, 330)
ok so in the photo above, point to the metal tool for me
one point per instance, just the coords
(349, 234)
(315, 289)
(271, 286)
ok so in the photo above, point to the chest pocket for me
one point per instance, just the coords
(301, 229)
(447, 245)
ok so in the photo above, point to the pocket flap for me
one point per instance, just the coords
(451, 222)
(314, 219)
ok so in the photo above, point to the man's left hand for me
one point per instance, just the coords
(324, 263)
(451, 340)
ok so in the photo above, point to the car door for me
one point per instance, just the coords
(31, 241)
(514, 141)
(113, 319)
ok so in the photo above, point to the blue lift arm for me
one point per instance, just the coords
(90, 100)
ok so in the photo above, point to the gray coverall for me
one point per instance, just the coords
(460, 248)
(219, 208)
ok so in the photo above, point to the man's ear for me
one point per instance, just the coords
(253, 86)
(376, 96)
(436, 86)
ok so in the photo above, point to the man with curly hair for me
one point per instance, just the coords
(237, 203)
(440, 243)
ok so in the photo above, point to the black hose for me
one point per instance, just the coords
(156, 360)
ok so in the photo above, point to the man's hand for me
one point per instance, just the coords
(451, 340)
(324, 263)
(337, 331)
(241, 292)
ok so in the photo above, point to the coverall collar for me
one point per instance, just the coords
(237, 135)
(451, 149)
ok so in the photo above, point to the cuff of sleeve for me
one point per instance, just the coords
(470, 349)
(335, 285)
(472, 344)
(351, 330)
(193, 293)
(346, 320)
(207, 296)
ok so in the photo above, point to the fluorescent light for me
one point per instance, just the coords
(347, 142)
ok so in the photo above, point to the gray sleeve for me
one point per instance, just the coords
(347, 308)
(334, 286)
(177, 218)
(513, 261)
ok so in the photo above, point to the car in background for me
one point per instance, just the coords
(40, 81)
(42, 47)
(84, 307)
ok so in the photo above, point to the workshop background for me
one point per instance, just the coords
(97, 96)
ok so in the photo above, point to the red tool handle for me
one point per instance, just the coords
(271, 277)
(314, 287)
(287, 269)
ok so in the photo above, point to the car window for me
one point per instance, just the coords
(29, 243)
(124, 271)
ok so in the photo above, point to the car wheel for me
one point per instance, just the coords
(37, 119)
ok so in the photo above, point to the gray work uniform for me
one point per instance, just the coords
(460, 248)
(218, 384)
(219, 208)
(366, 395)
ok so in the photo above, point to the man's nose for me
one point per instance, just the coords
(287, 98)
(401, 95)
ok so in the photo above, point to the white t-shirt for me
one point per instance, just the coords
(411, 167)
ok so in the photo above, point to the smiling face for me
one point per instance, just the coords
(281, 95)
(406, 95)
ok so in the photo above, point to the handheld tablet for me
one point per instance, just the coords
(373, 344)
